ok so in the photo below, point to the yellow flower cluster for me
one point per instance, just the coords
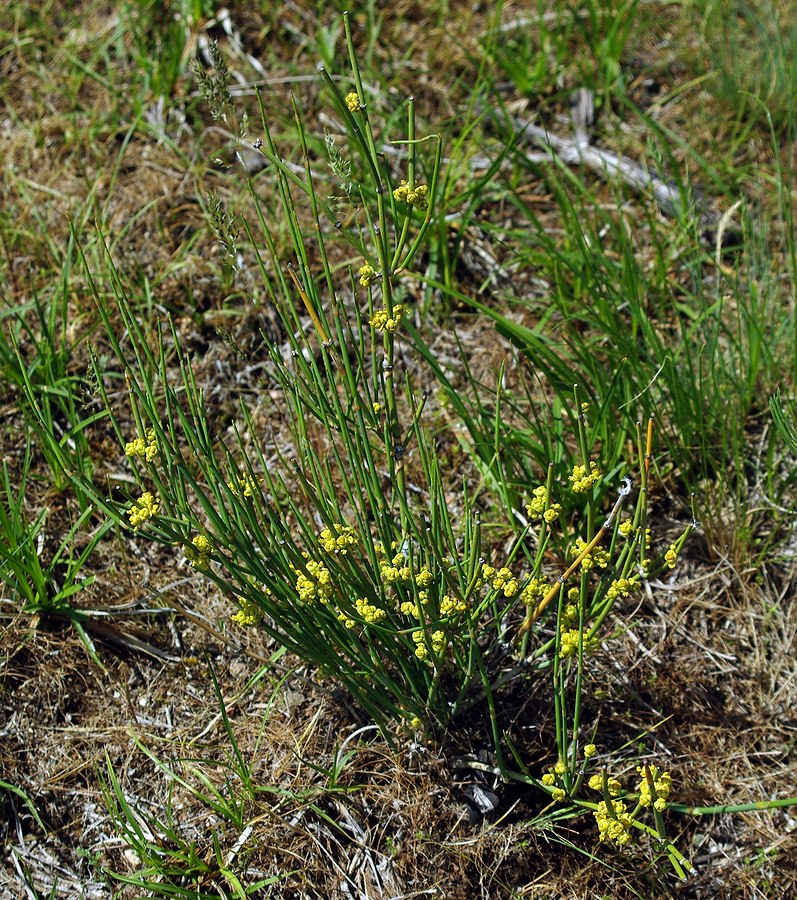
(552, 513)
(315, 585)
(248, 615)
(413, 607)
(395, 570)
(338, 539)
(198, 552)
(536, 589)
(243, 485)
(615, 824)
(501, 580)
(449, 606)
(671, 556)
(369, 612)
(143, 447)
(570, 615)
(589, 751)
(144, 508)
(438, 641)
(353, 101)
(549, 779)
(540, 508)
(662, 784)
(424, 578)
(416, 196)
(381, 322)
(596, 557)
(367, 275)
(581, 480)
(568, 643)
(626, 527)
(623, 587)
(613, 786)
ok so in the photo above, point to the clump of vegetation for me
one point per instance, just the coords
(465, 552)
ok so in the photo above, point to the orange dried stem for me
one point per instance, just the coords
(543, 604)
(308, 306)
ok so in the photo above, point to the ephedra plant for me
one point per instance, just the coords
(344, 537)
(347, 530)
